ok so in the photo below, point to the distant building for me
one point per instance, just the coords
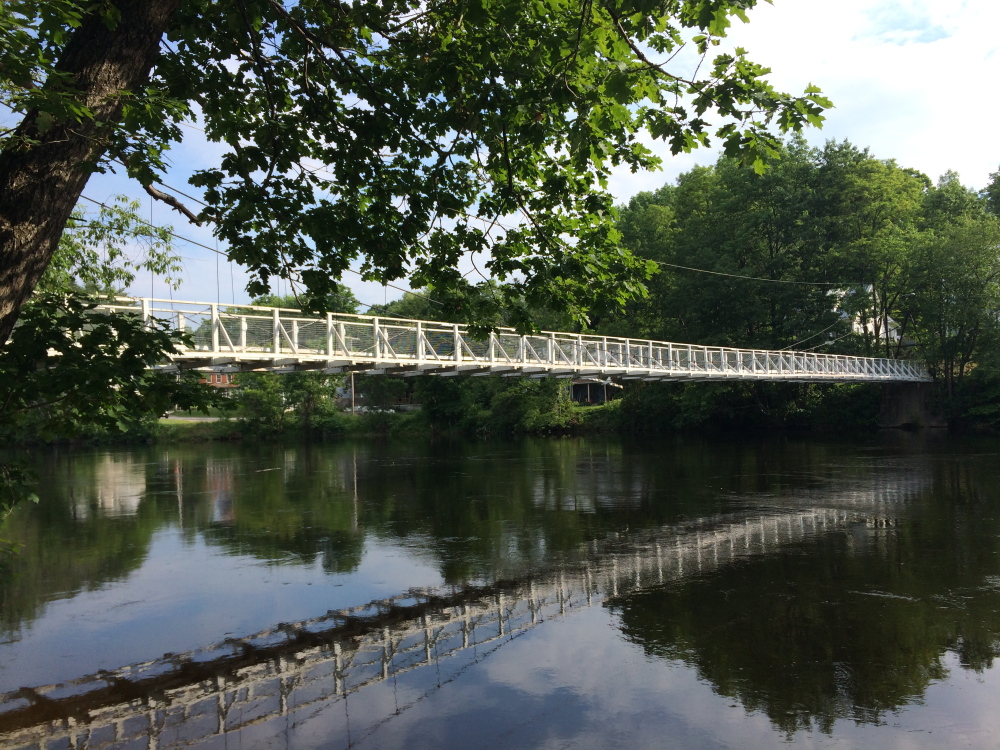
(220, 379)
(891, 332)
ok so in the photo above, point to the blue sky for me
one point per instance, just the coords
(913, 80)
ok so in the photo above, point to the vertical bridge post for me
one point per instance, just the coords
(276, 333)
(215, 327)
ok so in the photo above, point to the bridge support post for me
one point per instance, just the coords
(276, 333)
(215, 327)
(909, 406)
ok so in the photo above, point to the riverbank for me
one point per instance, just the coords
(644, 410)
(575, 419)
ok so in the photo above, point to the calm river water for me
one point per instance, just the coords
(542, 593)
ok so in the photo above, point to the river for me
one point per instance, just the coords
(548, 593)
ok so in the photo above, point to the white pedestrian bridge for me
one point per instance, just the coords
(247, 338)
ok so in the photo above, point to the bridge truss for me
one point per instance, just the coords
(247, 338)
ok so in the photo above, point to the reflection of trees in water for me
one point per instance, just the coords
(90, 527)
(475, 511)
(486, 511)
(847, 626)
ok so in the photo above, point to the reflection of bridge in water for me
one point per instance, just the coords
(183, 699)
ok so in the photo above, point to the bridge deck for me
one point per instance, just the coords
(234, 339)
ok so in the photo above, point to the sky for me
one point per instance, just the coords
(912, 80)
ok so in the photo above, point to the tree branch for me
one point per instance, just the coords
(173, 203)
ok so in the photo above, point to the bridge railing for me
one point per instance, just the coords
(248, 333)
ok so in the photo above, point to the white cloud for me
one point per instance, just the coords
(913, 80)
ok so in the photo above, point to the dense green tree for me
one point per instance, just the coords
(261, 401)
(870, 213)
(269, 402)
(344, 302)
(831, 249)
(992, 194)
(65, 370)
(397, 133)
(956, 274)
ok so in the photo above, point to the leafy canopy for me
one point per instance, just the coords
(405, 134)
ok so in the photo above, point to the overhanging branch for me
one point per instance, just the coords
(173, 203)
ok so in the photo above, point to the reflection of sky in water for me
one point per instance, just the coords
(590, 679)
(187, 596)
(568, 685)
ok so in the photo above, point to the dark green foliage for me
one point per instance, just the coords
(343, 302)
(495, 405)
(380, 392)
(992, 194)
(261, 401)
(824, 238)
(66, 370)
(271, 404)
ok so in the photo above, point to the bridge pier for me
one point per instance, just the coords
(909, 406)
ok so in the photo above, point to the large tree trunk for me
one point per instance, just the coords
(40, 184)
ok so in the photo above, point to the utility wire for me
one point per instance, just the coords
(808, 338)
(827, 343)
(757, 278)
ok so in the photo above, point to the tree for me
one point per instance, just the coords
(344, 302)
(871, 223)
(992, 194)
(957, 275)
(100, 256)
(265, 397)
(399, 133)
